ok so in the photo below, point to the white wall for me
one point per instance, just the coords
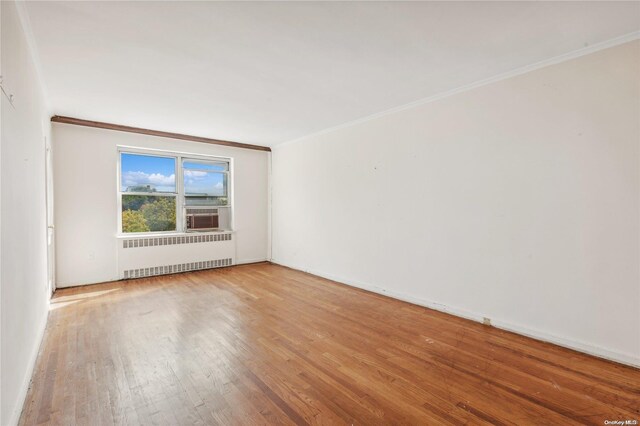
(24, 292)
(85, 185)
(517, 201)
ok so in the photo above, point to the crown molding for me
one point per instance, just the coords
(503, 76)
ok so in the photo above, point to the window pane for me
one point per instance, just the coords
(205, 187)
(148, 213)
(147, 173)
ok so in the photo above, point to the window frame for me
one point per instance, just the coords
(179, 195)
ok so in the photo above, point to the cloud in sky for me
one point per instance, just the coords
(195, 174)
(217, 185)
(196, 181)
(157, 180)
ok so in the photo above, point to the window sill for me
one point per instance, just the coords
(169, 234)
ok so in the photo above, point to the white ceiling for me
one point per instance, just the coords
(267, 73)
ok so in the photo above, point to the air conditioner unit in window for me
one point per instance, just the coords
(202, 219)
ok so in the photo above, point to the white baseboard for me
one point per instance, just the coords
(622, 358)
(24, 388)
(247, 261)
(112, 280)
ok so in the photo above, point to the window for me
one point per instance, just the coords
(148, 193)
(205, 183)
(153, 200)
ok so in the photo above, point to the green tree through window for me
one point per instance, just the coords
(143, 213)
(134, 221)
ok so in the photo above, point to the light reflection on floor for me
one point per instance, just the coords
(62, 301)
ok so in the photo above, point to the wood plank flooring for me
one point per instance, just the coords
(263, 344)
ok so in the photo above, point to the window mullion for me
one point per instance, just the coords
(180, 198)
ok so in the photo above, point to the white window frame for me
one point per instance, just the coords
(179, 157)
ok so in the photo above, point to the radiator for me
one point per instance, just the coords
(145, 256)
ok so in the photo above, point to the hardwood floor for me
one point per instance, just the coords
(263, 344)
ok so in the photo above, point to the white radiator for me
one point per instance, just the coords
(146, 256)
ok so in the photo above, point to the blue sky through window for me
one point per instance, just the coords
(158, 173)
(199, 182)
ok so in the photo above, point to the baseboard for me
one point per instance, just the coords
(114, 280)
(24, 388)
(248, 261)
(589, 349)
(111, 281)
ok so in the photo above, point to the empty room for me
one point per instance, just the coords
(337, 213)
